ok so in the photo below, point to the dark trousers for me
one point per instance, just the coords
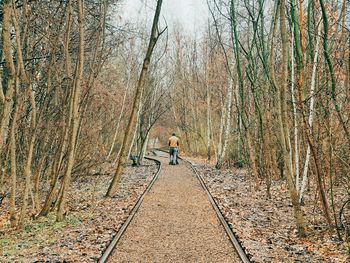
(173, 155)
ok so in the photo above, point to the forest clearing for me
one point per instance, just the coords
(175, 131)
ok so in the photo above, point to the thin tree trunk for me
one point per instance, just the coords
(13, 216)
(75, 115)
(56, 168)
(295, 120)
(252, 159)
(331, 71)
(144, 148)
(209, 135)
(36, 180)
(272, 160)
(12, 210)
(65, 125)
(332, 171)
(319, 174)
(2, 96)
(227, 126)
(222, 126)
(311, 115)
(10, 70)
(119, 118)
(298, 214)
(22, 73)
(242, 111)
(132, 120)
(134, 140)
(8, 103)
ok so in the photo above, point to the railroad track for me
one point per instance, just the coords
(243, 255)
(134, 210)
(228, 229)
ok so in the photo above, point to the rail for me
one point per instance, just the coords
(228, 229)
(134, 210)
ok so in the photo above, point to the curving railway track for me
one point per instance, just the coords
(228, 229)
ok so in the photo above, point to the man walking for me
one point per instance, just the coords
(173, 144)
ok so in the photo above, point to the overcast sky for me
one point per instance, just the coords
(191, 14)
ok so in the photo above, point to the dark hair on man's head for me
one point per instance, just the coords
(174, 134)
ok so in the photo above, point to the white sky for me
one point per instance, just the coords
(191, 14)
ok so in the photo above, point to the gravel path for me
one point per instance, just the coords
(175, 223)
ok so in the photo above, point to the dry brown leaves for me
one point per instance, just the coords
(92, 222)
(266, 227)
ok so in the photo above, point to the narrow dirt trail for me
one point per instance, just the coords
(175, 223)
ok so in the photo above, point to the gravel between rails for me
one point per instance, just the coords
(175, 223)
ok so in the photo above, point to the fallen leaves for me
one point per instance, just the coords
(92, 221)
(266, 227)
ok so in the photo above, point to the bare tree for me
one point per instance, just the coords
(132, 120)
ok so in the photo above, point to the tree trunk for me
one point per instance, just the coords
(10, 69)
(331, 71)
(309, 136)
(75, 115)
(227, 126)
(36, 184)
(209, 135)
(12, 210)
(132, 120)
(298, 214)
(295, 119)
(8, 103)
(301, 188)
(22, 73)
(254, 169)
(119, 118)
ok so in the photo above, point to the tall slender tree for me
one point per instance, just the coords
(140, 85)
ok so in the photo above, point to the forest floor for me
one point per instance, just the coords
(92, 222)
(266, 226)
